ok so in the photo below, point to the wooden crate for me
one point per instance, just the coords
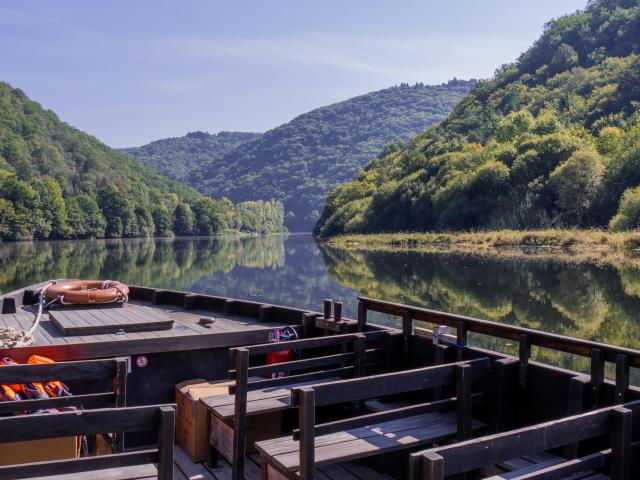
(259, 427)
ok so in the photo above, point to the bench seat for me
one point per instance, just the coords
(136, 472)
(267, 400)
(532, 463)
(366, 441)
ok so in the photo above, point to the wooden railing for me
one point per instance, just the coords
(308, 398)
(88, 371)
(350, 361)
(615, 422)
(159, 419)
(599, 353)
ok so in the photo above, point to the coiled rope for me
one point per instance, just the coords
(12, 337)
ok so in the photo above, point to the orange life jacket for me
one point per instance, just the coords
(9, 394)
(9, 361)
(54, 388)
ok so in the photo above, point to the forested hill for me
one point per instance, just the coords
(300, 161)
(58, 182)
(177, 157)
(553, 140)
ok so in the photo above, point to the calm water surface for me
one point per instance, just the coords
(579, 299)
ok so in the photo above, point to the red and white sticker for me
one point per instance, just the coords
(142, 361)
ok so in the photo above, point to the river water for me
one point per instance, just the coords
(593, 301)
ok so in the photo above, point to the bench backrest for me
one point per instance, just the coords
(86, 370)
(349, 360)
(441, 462)
(351, 390)
(308, 398)
(159, 419)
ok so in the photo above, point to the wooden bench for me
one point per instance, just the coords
(159, 419)
(322, 358)
(376, 433)
(612, 424)
(93, 371)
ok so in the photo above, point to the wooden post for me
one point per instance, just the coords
(157, 297)
(622, 377)
(327, 308)
(463, 401)
(575, 406)
(9, 305)
(337, 311)
(240, 413)
(307, 414)
(622, 424)
(524, 353)
(190, 301)
(359, 366)
(120, 390)
(228, 307)
(166, 437)
(264, 313)
(407, 330)
(439, 358)
(461, 338)
(362, 315)
(432, 466)
(597, 376)
(504, 387)
(308, 324)
(392, 347)
(359, 355)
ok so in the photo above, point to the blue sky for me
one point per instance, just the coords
(130, 72)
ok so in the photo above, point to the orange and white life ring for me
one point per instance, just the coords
(88, 291)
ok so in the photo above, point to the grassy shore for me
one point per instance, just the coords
(594, 243)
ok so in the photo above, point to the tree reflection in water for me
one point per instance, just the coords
(596, 302)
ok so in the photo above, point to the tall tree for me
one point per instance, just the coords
(183, 220)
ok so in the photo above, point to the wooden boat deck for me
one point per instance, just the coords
(515, 397)
(185, 469)
(186, 333)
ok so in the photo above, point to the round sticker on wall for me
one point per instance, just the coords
(142, 361)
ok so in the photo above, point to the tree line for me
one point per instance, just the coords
(57, 182)
(37, 209)
(299, 162)
(552, 141)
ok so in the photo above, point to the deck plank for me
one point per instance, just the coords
(267, 400)
(364, 472)
(367, 441)
(230, 330)
(86, 322)
(188, 468)
(138, 472)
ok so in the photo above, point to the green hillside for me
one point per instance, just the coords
(177, 157)
(553, 140)
(58, 182)
(300, 161)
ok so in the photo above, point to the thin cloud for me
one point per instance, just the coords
(392, 58)
(13, 16)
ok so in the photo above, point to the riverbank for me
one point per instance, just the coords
(589, 243)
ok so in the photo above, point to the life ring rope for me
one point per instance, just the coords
(12, 337)
(107, 291)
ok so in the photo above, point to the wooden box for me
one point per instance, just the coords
(191, 415)
(273, 474)
(16, 453)
(259, 427)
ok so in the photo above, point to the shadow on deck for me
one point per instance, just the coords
(185, 469)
